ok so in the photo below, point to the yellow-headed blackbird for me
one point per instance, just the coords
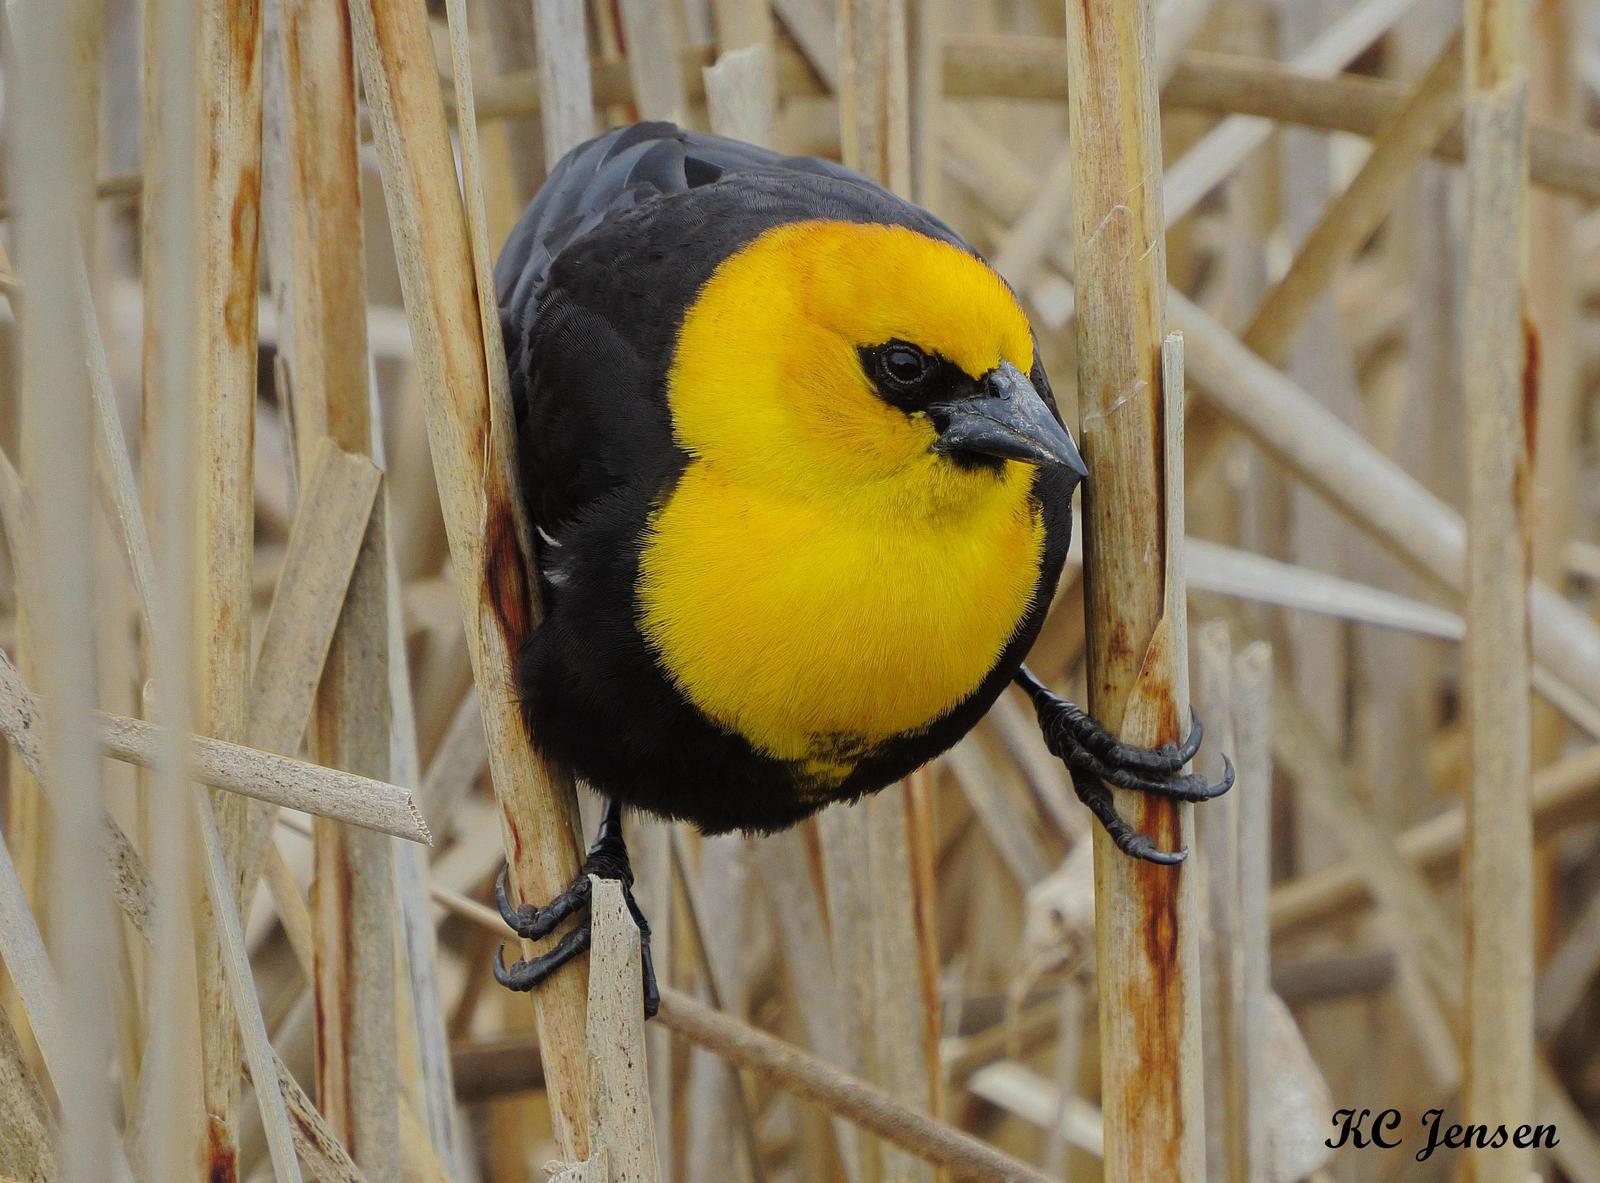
(801, 490)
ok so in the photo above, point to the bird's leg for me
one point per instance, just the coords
(1094, 794)
(608, 859)
(1097, 758)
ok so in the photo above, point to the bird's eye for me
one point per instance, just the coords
(904, 365)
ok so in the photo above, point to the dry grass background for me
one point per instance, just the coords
(255, 486)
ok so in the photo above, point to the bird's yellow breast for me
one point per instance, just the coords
(819, 580)
(817, 633)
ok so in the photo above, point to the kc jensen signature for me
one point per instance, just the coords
(1362, 1128)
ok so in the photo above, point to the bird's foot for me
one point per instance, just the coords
(1097, 758)
(607, 859)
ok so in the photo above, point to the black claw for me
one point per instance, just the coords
(647, 965)
(534, 924)
(1067, 728)
(1131, 842)
(501, 973)
(1193, 787)
(525, 975)
(1141, 846)
(517, 918)
(1226, 783)
(1191, 743)
(1097, 758)
(502, 898)
(608, 859)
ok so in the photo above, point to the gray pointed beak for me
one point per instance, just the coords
(1005, 419)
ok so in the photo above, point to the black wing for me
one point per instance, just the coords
(594, 280)
(617, 171)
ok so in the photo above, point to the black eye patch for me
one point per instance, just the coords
(909, 377)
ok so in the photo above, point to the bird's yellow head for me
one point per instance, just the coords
(865, 364)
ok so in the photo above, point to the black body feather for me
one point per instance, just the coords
(592, 286)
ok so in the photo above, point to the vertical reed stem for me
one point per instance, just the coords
(1146, 915)
(352, 892)
(221, 248)
(50, 136)
(171, 1106)
(1500, 387)
(471, 440)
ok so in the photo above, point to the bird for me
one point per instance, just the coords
(800, 492)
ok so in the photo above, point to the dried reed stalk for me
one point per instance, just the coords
(314, 1141)
(118, 488)
(219, 247)
(1437, 943)
(851, 913)
(1222, 944)
(171, 1110)
(520, 92)
(1405, 138)
(1146, 917)
(218, 876)
(51, 139)
(622, 1136)
(412, 868)
(1499, 383)
(802, 929)
(1014, 66)
(1368, 487)
(1043, 224)
(278, 780)
(1222, 150)
(27, 1127)
(1248, 576)
(226, 252)
(29, 970)
(717, 920)
(241, 985)
(422, 1164)
(739, 94)
(1561, 157)
(867, 1105)
(27, 826)
(458, 760)
(326, 367)
(1553, 307)
(324, 543)
(986, 66)
(470, 437)
(566, 106)
(810, 23)
(840, 1093)
(657, 80)
(1568, 976)
(873, 115)
(1019, 1090)
(739, 26)
(1563, 795)
(1252, 730)
(23, 951)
